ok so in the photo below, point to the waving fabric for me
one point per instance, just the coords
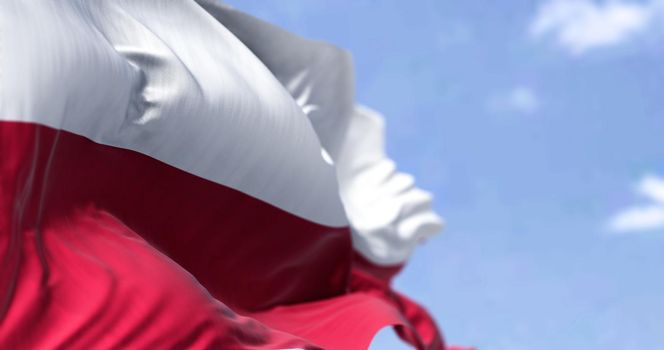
(179, 175)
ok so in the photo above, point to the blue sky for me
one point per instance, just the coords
(538, 125)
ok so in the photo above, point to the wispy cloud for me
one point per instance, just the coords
(581, 25)
(520, 99)
(644, 217)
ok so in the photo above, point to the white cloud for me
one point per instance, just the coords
(581, 25)
(653, 187)
(644, 217)
(520, 99)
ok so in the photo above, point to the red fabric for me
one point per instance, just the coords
(419, 328)
(244, 251)
(102, 247)
(106, 288)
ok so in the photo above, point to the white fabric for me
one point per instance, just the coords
(165, 79)
(318, 75)
(389, 216)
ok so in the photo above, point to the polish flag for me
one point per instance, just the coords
(177, 174)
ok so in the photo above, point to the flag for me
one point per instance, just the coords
(177, 174)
